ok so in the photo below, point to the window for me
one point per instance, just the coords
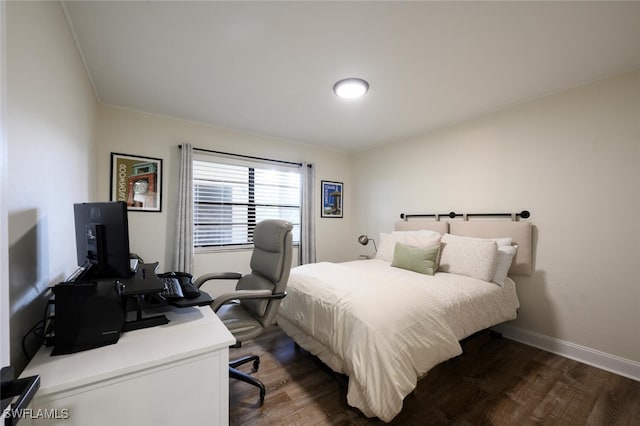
(231, 195)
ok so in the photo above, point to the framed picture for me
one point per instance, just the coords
(137, 181)
(331, 199)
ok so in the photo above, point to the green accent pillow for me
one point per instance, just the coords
(417, 259)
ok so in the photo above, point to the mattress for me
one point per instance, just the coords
(386, 327)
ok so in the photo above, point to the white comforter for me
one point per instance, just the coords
(385, 327)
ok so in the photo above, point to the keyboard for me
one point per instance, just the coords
(172, 288)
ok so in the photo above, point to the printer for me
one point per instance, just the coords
(87, 315)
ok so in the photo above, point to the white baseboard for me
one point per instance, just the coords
(615, 364)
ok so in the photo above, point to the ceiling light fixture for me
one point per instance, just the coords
(350, 88)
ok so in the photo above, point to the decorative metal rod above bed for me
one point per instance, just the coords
(524, 214)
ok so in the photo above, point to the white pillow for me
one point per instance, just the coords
(504, 241)
(473, 257)
(505, 257)
(386, 248)
(410, 238)
(417, 238)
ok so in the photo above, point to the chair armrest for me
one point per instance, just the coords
(244, 294)
(216, 276)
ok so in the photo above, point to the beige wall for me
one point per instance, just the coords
(152, 234)
(573, 160)
(51, 112)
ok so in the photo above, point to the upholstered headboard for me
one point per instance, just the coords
(519, 231)
(417, 225)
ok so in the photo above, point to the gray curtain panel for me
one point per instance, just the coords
(307, 249)
(183, 250)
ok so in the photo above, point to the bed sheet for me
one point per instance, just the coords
(385, 327)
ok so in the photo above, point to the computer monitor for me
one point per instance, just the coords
(102, 240)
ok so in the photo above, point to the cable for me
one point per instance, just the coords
(24, 339)
(39, 329)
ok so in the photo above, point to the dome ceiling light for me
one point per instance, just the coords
(350, 88)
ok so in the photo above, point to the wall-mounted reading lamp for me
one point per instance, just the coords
(364, 240)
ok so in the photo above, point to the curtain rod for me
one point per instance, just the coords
(210, 151)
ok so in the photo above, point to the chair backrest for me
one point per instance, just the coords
(270, 267)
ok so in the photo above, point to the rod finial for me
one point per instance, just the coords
(525, 214)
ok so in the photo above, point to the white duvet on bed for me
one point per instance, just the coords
(385, 327)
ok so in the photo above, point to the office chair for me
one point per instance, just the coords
(253, 306)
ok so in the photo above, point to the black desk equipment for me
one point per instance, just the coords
(91, 314)
(87, 315)
(145, 289)
(92, 307)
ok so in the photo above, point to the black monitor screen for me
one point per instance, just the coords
(102, 239)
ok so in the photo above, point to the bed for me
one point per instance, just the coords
(386, 326)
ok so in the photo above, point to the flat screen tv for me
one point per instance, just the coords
(102, 240)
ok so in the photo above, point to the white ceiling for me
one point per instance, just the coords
(269, 67)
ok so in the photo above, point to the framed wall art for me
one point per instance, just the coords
(331, 199)
(137, 181)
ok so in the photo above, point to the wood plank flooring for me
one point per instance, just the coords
(495, 381)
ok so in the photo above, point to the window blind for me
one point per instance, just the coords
(231, 195)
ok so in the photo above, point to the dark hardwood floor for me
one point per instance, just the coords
(495, 381)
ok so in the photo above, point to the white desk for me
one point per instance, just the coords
(172, 374)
